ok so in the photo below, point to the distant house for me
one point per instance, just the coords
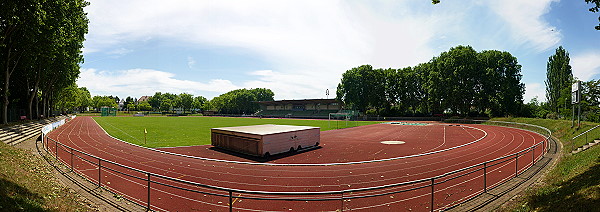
(143, 99)
(121, 104)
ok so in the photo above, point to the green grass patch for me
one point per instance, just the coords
(28, 184)
(189, 131)
(574, 184)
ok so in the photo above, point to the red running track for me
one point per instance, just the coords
(348, 145)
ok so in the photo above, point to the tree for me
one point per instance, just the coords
(595, 8)
(240, 101)
(155, 100)
(130, 107)
(103, 101)
(559, 78)
(84, 99)
(144, 106)
(40, 44)
(186, 101)
(501, 90)
(361, 88)
(461, 81)
(198, 103)
(590, 100)
(452, 79)
(128, 101)
(166, 105)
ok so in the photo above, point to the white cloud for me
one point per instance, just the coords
(300, 39)
(586, 66)
(533, 90)
(191, 62)
(309, 44)
(139, 82)
(526, 21)
(120, 51)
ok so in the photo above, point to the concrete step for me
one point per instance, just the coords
(585, 147)
(23, 138)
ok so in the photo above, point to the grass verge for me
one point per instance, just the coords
(574, 184)
(28, 184)
(189, 131)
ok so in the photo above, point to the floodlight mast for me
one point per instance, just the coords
(575, 99)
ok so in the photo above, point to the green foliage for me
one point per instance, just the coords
(186, 131)
(167, 101)
(40, 49)
(166, 105)
(595, 8)
(73, 99)
(240, 101)
(559, 78)
(198, 102)
(590, 101)
(103, 101)
(460, 81)
(185, 101)
(144, 106)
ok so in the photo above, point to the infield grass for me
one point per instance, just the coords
(189, 131)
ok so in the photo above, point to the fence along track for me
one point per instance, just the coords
(339, 195)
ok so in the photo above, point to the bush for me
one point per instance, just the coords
(552, 116)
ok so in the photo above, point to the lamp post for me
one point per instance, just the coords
(575, 99)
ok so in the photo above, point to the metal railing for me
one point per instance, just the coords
(583, 133)
(423, 189)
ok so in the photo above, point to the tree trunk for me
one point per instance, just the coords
(45, 105)
(32, 95)
(5, 95)
(37, 106)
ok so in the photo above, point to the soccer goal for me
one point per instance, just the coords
(344, 115)
(108, 111)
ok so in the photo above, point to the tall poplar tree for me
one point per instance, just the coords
(559, 77)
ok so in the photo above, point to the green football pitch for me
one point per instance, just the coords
(189, 131)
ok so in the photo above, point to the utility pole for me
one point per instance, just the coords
(575, 99)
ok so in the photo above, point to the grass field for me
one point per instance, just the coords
(188, 131)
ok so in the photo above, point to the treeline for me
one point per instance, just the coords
(460, 81)
(40, 53)
(240, 101)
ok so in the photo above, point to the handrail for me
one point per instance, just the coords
(477, 167)
(586, 132)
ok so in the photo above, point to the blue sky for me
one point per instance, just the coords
(299, 49)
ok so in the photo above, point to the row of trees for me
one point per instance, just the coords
(240, 101)
(40, 53)
(167, 101)
(460, 81)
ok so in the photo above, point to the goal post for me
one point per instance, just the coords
(346, 115)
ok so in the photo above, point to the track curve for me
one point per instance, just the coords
(85, 135)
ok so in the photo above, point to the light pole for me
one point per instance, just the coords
(575, 99)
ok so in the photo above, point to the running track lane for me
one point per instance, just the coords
(84, 134)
